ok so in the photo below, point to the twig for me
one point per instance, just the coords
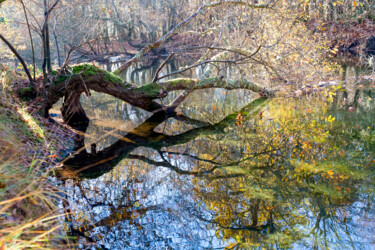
(161, 67)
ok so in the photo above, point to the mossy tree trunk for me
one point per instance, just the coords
(72, 82)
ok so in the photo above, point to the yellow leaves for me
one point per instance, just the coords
(334, 50)
(330, 119)
(338, 2)
(354, 3)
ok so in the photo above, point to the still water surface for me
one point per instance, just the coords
(240, 173)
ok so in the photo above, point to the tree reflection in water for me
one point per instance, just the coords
(300, 174)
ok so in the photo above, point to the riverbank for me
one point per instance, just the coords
(29, 147)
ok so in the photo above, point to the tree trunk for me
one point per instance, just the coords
(72, 110)
(83, 78)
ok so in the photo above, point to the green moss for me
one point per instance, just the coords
(189, 83)
(208, 81)
(87, 70)
(151, 89)
(60, 79)
(110, 77)
(27, 93)
(26, 90)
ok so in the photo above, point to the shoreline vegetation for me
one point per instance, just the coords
(30, 147)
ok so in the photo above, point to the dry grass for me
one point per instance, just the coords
(29, 216)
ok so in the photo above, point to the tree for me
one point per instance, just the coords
(262, 42)
(83, 78)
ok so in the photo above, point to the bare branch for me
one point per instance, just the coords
(161, 40)
(161, 67)
(179, 99)
(200, 62)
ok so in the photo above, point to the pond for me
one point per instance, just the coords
(232, 171)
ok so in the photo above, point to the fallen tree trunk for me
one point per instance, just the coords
(71, 82)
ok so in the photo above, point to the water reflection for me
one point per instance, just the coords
(295, 173)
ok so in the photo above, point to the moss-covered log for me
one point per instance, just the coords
(71, 82)
(213, 82)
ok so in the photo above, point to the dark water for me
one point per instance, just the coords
(240, 173)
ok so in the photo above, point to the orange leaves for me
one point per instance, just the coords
(330, 173)
(239, 120)
(269, 208)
